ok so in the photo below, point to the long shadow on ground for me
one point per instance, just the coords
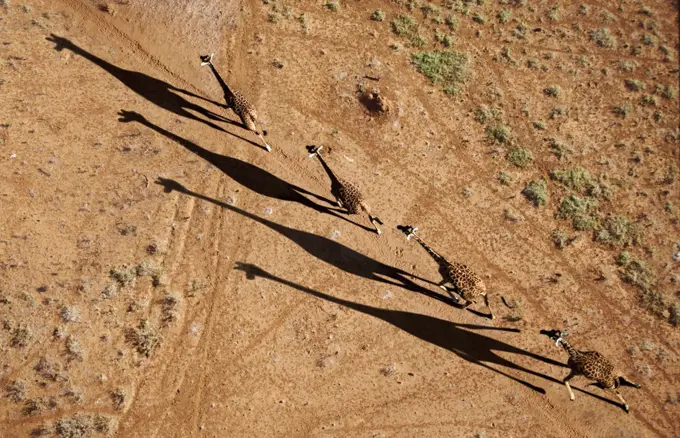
(154, 90)
(457, 338)
(328, 250)
(252, 177)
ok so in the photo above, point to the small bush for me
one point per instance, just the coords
(16, 391)
(498, 134)
(77, 426)
(634, 85)
(504, 16)
(666, 91)
(539, 125)
(619, 231)
(484, 114)
(477, 18)
(577, 179)
(622, 110)
(648, 100)
(505, 178)
(674, 319)
(405, 27)
(452, 22)
(638, 274)
(536, 192)
(623, 258)
(73, 348)
(520, 157)
(554, 13)
(378, 16)
(20, 337)
(552, 91)
(628, 66)
(581, 211)
(560, 238)
(145, 338)
(124, 275)
(333, 6)
(603, 38)
(450, 69)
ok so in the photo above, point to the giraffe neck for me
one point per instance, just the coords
(334, 179)
(228, 93)
(569, 349)
(439, 259)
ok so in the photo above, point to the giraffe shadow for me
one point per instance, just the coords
(156, 91)
(250, 176)
(459, 339)
(326, 250)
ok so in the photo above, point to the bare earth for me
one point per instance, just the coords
(262, 315)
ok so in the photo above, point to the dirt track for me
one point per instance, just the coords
(287, 321)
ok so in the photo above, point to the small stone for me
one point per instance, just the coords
(387, 295)
(335, 235)
(341, 75)
(268, 211)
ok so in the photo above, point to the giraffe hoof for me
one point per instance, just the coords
(206, 59)
(269, 148)
(491, 316)
(626, 408)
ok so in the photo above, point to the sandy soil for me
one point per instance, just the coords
(161, 275)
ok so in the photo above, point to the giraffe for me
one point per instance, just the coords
(591, 365)
(237, 102)
(466, 283)
(346, 194)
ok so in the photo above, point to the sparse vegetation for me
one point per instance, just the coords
(520, 157)
(634, 85)
(452, 22)
(666, 91)
(505, 178)
(70, 314)
(578, 180)
(603, 38)
(38, 405)
(619, 231)
(622, 110)
(478, 18)
(536, 192)
(552, 91)
(539, 125)
(20, 337)
(450, 69)
(554, 13)
(124, 275)
(561, 238)
(77, 426)
(648, 100)
(628, 66)
(73, 348)
(405, 27)
(145, 338)
(484, 114)
(170, 302)
(118, 399)
(333, 6)
(16, 391)
(378, 16)
(623, 258)
(504, 16)
(581, 211)
(498, 134)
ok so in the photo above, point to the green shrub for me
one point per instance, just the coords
(498, 134)
(634, 85)
(520, 157)
(603, 38)
(450, 69)
(536, 192)
(333, 6)
(405, 27)
(378, 16)
(504, 16)
(552, 91)
(581, 211)
(619, 231)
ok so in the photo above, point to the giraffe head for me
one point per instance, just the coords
(313, 150)
(408, 230)
(206, 59)
(555, 335)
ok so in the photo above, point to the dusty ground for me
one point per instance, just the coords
(264, 315)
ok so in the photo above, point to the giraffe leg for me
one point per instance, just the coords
(624, 381)
(624, 405)
(442, 283)
(486, 301)
(266, 146)
(373, 220)
(566, 383)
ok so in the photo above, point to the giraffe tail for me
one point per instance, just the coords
(206, 59)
